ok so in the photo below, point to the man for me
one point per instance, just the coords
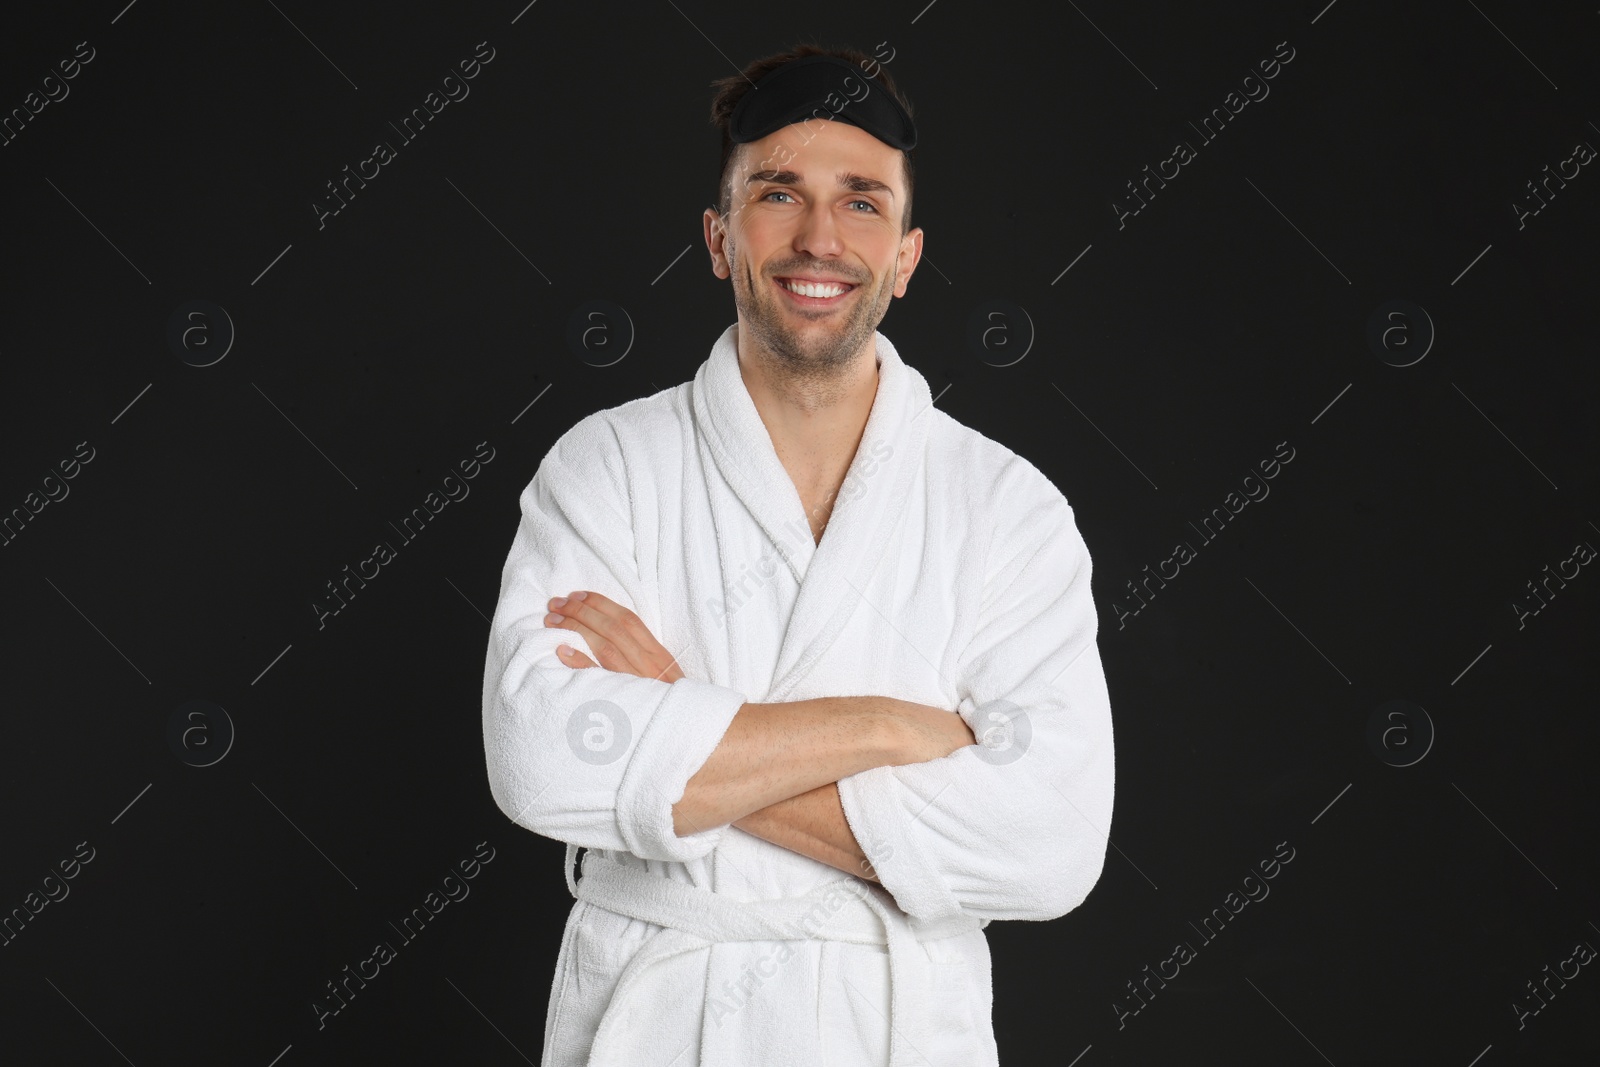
(883, 721)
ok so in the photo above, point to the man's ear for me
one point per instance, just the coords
(716, 232)
(906, 261)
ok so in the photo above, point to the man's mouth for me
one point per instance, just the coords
(814, 293)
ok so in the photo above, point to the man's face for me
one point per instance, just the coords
(826, 210)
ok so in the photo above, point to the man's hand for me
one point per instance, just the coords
(622, 642)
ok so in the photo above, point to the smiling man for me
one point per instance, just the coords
(882, 722)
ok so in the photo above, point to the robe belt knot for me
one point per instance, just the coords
(848, 909)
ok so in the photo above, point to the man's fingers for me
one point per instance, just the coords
(630, 646)
(596, 611)
(573, 658)
(609, 621)
(600, 603)
(604, 652)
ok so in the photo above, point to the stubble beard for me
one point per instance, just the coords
(815, 360)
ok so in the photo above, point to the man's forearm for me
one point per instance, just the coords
(812, 824)
(774, 752)
(771, 752)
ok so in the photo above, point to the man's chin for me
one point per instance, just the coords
(818, 340)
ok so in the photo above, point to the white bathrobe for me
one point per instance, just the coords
(951, 573)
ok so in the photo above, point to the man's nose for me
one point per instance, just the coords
(819, 232)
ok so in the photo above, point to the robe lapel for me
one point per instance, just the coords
(832, 575)
(730, 428)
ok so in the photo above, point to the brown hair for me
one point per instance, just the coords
(731, 89)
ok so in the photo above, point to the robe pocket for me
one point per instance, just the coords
(954, 991)
(854, 1003)
(599, 952)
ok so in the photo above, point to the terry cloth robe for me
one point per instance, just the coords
(951, 573)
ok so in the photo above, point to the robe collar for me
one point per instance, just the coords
(833, 575)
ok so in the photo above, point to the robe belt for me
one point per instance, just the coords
(849, 910)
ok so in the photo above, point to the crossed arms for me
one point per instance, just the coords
(637, 757)
(775, 772)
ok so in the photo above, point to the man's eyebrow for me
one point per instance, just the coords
(858, 183)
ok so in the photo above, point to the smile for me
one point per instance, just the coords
(814, 294)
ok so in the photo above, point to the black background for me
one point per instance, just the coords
(374, 353)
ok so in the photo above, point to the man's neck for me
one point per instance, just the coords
(815, 423)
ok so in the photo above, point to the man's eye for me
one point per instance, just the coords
(780, 192)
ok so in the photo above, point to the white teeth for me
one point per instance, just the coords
(814, 288)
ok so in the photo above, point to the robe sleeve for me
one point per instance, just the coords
(1015, 828)
(588, 756)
